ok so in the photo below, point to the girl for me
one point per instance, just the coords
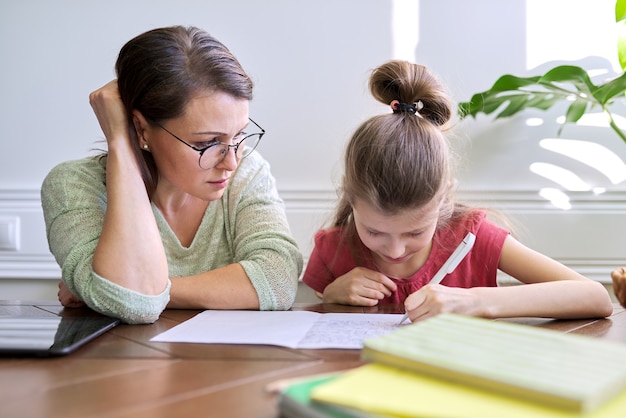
(397, 223)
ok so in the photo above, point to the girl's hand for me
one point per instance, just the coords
(109, 109)
(434, 299)
(67, 298)
(619, 284)
(359, 287)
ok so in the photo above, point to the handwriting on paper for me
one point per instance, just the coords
(347, 330)
(294, 329)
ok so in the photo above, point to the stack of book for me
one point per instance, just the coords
(458, 366)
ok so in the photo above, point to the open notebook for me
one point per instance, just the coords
(36, 333)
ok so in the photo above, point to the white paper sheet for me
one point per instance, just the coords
(293, 329)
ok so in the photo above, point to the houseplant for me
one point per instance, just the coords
(510, 95)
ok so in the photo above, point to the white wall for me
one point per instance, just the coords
(310, 62)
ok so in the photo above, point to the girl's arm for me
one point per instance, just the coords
(359, 287)
(550, 290)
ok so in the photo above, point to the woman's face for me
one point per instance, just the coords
(395, 240)
(209, 117)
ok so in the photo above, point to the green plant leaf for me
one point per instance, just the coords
(620, 20)
(510, 82)
(515, 103)
(510, 94)
(569, 74)
(490, 103)
(615, 87)
(544, 101)
(471, 108)
(621, 43)
(620, 10)
(575, 111)
(507, 104)
(508, 89)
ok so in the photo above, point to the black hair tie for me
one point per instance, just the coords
(413, 108)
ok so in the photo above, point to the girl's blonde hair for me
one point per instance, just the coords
(400, 160)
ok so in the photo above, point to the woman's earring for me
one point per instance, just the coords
(145, 146)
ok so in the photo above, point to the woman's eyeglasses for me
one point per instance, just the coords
(215, 153)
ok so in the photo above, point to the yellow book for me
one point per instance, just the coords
(568, 371)
(391, 392)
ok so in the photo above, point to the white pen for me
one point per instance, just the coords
(448, 267)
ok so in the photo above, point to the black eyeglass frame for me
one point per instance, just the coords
(201, 151)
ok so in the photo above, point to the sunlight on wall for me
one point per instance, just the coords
(556, 30)
(566, 178)
(590, 153)
(583, 29)
(405, 27)
(556, 197)
(597, 119)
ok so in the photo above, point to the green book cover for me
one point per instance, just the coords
(295, 402)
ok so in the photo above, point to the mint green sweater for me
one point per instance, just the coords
(247, 225)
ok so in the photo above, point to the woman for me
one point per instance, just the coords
(180, 212)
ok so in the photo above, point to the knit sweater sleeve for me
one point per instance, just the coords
(260, 237)
(73, 197)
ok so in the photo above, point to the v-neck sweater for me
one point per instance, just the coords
(248, 225)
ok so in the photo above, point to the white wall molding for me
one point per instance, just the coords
(589, 237)
(32, 260)
(19, 198)
(499, 199)
(29, 266)
(531, 201)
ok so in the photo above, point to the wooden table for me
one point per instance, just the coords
(123, 374)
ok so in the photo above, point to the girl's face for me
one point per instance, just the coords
(209, 116)
(400, 243)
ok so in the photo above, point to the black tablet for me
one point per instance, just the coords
(28, 335)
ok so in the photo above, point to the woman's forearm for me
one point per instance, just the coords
(224, 288)
(130, 251)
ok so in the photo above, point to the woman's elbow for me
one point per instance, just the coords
(144, 318)
(134, 315)
(128, 306)
(283, 294)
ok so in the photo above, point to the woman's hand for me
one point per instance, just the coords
(359, 287)
(109, 109)
(619, 284)
(67, 298)
(434, 299)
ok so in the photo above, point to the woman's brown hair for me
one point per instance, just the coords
(159, 71)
